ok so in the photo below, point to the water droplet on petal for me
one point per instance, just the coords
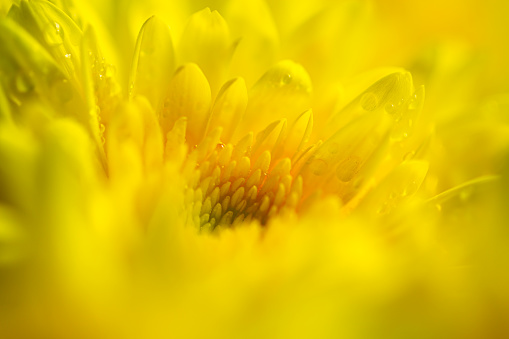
(399, 133)
(318, 166)
(410, 189)
(390, 108)
(53, 34)
(348, 168)
(413, 102)
(369, 102)
(286, 79)
(131, 89)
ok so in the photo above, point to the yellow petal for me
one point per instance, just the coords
(229, 107)
(406, 117)
(206, 42)
(28, 63)
(298, 135)
(397, 187)
(153, 63)
(188, 96)
(60, 34)
(383, 95)
(284, 91)
(327, 39)
(153, 140)
(257, 38)
(93, 120)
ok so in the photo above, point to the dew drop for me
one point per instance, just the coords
(286, 79)
(413, 102)
(410, 189)
(348, 168)
(369, 102)
(53, 34)
(399, 133)
(390, 108)
(68, 55)
(131, 90)
(318, 166)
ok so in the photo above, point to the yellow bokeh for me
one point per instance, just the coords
(254, 169)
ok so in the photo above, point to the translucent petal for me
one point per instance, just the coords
(153, 140)
(406, 117)
(189, 96)
(258, 39)
(390, 90)
(359, 138)
(325, 41)
(460, 191)
(23, 56)
(54, 30)
(229, 107)
(284, 91)
(124, 144)
(401, 184)
(298, 135)
(206, 42)
(102, 90)
(268, 138)
(153, 63)
(175, 140)
(94, 120)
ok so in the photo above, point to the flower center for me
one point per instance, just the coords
(233, 184)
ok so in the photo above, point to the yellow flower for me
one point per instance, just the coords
(263, 172)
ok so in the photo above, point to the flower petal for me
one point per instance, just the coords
(153, 62)
(188, 96)
(206, 42)
(284, 91)
(229, 107)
